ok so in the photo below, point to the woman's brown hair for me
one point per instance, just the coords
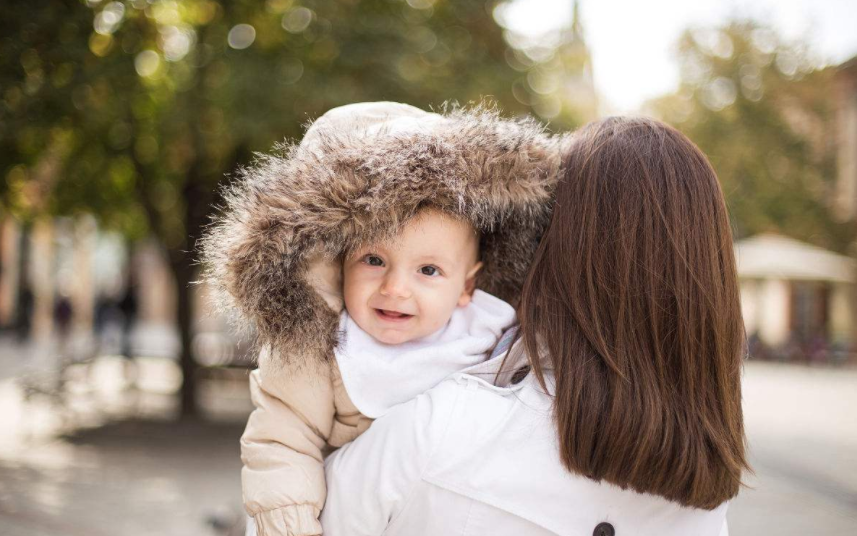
(633, 303)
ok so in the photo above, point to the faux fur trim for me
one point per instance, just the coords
(295, 206)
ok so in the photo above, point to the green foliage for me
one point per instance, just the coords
(141, 107)
(762, 110)
(135, 110)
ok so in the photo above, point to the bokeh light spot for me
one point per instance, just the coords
(146, 149)
(521, 92)
(422, 39)
(164, 196)
(719, 93)
(63, 75)
(13, 97)
(241, 36)
(120, 135)
(548, 106)
(459, 38)
(176, 42)
(410, 67)
(438, 56)
(100, 44)
(421, 4)
(108, 19)
(764, 40)
(787, 62)
(291, 71)
(543, 81)
(297, 19)
(277, 6)
(147, 62)
(81, 97)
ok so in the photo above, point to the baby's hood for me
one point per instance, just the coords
(272, 256)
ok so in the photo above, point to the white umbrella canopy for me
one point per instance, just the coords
(772, 256)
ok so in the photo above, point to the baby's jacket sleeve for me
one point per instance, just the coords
(281, 448)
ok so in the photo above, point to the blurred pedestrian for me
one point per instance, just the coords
(757, 349)
(63, 314)
(24, 315)
(128, 307)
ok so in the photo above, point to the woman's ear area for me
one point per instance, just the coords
(469, 285)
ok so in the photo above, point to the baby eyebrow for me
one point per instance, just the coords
(441, 261)
(372, 249)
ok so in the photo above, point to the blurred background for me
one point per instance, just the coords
(122, 396)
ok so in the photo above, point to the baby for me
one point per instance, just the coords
(419, 209)
(412, 317)
(408, 289)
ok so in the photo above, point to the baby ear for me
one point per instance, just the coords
(469, 285)
(324, 275)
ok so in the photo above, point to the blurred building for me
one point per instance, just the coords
(559, 83)
(846, 134)
(798, 298)
(793, 293)
(74, 261)
(101, 280)
(579, 99)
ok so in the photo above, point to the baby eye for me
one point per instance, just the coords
(373, 260)
(429, 271)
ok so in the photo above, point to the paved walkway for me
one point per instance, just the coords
(129, 478)
(130, 470)
(106, 459)
(802, 427)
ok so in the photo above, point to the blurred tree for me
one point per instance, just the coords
(556, 69)
(761, 109)
(135, 110)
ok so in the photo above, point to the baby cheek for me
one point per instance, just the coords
(436, 312)
(355, 304)
(357, 284)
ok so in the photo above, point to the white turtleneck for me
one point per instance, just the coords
(378, 376)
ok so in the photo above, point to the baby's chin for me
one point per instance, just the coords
(394, 337)
(386, 335)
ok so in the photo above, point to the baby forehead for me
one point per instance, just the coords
(431, 233)
(431, 218)
(433, 227)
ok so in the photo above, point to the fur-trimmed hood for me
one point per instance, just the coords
(273, 254)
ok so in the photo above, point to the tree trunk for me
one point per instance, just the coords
(181, 266)
(180, 263)
(198, 195)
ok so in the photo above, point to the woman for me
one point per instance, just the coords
(618, 409)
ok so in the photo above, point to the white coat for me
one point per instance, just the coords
(472, 458)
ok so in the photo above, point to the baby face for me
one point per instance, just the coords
(407, 288)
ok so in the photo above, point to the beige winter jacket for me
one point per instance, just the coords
(301, 411)
(298, 414)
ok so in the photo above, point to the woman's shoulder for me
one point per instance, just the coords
(498, 446)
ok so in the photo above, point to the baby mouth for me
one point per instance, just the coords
(393, 316)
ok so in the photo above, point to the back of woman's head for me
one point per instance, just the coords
(633, 302)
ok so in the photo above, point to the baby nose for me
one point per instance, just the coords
(395, 286)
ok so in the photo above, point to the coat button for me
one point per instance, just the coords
(604, 529)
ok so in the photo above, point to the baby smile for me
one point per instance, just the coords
(392, 316)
